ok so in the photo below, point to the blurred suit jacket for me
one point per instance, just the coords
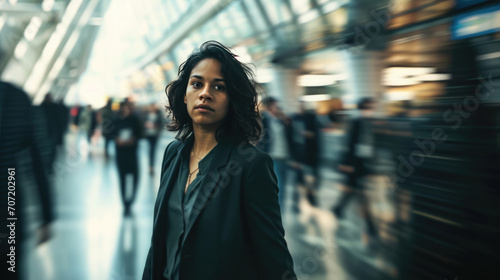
(235, 229)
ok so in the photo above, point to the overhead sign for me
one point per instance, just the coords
(476, 23)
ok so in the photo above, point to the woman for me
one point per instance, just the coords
(217, 214)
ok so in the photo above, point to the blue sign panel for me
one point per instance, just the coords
(476, 23)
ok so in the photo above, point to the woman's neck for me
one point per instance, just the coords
(204, 140)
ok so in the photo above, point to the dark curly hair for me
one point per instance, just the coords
(242, 122)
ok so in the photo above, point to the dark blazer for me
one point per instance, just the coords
(235, 229)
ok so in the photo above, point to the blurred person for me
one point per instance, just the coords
(63, 121)
(85, 121)
(305, 152)
(107, 117)
(20, 158)
(355, 164)
(51, 112)
(275, 141)
(217, 214)
(152, 129)
(127, 132)
(93, 123)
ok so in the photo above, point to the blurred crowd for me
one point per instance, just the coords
(410, 157)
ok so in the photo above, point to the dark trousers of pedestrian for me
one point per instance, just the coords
(152, 147)
(356, 184)
(311, 188)
(127, 162)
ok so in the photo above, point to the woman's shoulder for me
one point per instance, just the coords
(173, 146)
(248, 155)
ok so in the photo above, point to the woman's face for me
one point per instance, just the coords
(206, 95)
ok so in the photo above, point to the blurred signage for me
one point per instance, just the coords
(466, 3)
(476, 23)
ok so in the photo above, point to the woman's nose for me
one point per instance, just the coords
(205, 93)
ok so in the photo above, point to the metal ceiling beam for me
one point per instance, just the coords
(27, 9)
(197, 16)
(53, 71)
(55, 45)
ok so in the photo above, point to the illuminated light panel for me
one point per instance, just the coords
(434, 77)
(316, 80)
(400, 95)
(406, 76)
(315, 97)
(410, 71)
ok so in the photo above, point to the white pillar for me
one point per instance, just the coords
(364, 75)
(284, 87)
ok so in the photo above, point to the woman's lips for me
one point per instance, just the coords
(203, 108)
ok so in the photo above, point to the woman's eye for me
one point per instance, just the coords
(196, 84)
(220, 88)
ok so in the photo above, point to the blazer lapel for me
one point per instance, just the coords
(210, 182)
(167, 181)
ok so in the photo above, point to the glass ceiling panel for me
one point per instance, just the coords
(277, 11)
(300, 6)
(239, 20)
(256, 15)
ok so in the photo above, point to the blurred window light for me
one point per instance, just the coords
(340, 77)
(264, 75)
(47, 5)
(182, 5)
(316, 80)
(32, 28)
(277, 11)
(434, 77)
(410, 71)
(242, 54)
(404, 76)
(2, 21)
(21, 49)
(310, 15)
(12, 2)
(334, 5)
(400, 95)
(407, 76)
(315, 97)
(399, 81)
(301, 6)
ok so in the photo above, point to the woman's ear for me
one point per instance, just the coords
(185, 101)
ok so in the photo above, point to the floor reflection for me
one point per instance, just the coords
(125, 259)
